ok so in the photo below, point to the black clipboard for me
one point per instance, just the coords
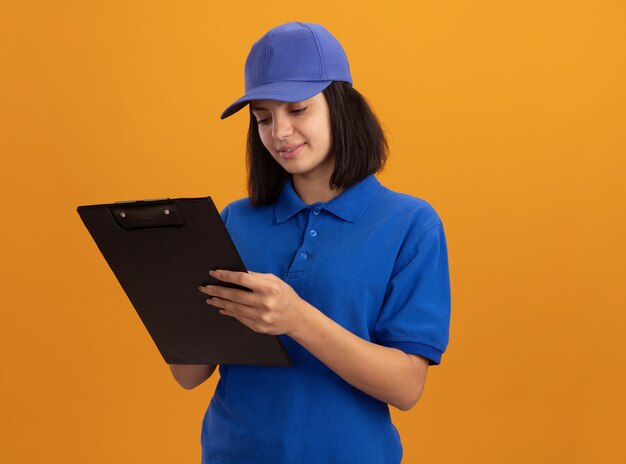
(161, 251)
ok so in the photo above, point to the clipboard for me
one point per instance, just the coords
(160, 252)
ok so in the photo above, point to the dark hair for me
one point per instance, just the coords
(359, 146)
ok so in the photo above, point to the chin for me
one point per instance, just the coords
(303, 166)
(295, 168)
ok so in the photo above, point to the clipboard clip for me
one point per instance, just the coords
(147, 215)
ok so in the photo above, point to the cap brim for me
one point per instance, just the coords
(291, 91)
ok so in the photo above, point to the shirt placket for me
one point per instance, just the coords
(309, 246)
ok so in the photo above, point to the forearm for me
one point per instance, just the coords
(273, 307)
(387, 374)
(191, 375)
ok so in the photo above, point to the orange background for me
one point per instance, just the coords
(509, 118)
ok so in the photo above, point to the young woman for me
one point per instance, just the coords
(352, 276)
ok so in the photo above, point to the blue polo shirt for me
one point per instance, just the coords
(373, 260)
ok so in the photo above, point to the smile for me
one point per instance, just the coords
(291, 151)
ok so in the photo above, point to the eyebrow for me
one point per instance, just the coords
(258, 108)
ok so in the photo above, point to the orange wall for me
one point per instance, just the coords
(509, 118)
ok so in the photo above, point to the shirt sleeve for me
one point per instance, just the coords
(415, 316)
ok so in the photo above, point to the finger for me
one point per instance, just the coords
(266, 276)
(243, 279)
(251, 323)
(235, 308)
(232, 294)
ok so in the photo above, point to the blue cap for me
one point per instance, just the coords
(291, 63)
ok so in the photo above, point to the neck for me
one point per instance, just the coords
(314, 189)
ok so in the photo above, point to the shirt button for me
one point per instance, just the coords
(316, 212)
(313, 233)
(304, 256)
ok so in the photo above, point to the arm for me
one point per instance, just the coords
(387, 374)
(191, 375)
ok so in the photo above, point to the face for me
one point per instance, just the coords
(297, 135)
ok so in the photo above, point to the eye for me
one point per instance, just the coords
(262, 122)
(299, 110)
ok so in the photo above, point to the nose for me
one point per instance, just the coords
(282, 127)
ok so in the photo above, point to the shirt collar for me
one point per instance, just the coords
(347, 206)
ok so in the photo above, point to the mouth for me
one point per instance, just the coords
(290, 151)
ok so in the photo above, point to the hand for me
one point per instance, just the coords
(273, 307)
